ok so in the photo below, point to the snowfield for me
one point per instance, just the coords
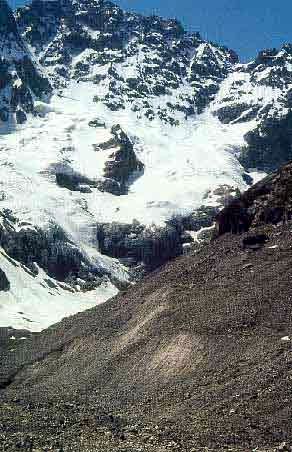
(182, 165)
(35, 303)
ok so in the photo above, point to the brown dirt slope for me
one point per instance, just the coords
(196, 356)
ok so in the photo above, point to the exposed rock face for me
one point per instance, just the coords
(122, 164)
(259, 93)
(203, 217)
(66, 177)
(50, 248)
(137, 57)
(20, 79)
(267, 202)
(137, 244)
(270, 145)
(152, 246)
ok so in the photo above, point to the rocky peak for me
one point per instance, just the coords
(272, 67)
(273, 57)
(132, 59)
(259, 95)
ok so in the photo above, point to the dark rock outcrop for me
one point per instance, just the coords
(235, 113)
(73, 181)
(110, 186)
(255, 241)
(4, 282)
(137, 244)
(270, 145)
(148, 247)
(50, 248)
(96, 123)
(123, 164)
(234, 218)
(67, 177)
(267, 202)
(203, 217)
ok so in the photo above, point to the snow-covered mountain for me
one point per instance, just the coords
(122, 137)
(259, 94)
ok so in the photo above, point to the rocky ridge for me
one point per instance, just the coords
(131, 58)
(21, 79)
(260, 93)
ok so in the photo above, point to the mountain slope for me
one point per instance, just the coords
(90, 152)
(156, 68)
(129, 57)
(197, 355)
(259, 93)
(147, 133)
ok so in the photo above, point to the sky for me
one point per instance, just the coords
(245, 26)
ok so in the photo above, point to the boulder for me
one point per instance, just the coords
(254, 241)
(97, 123)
